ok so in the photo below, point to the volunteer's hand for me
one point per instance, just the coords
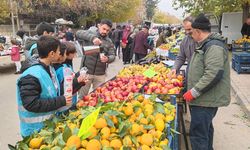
(68, 100)
(104, 59)
(188, 96)
(97, 41)
(83, 78)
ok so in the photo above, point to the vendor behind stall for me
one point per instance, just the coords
(245, 30)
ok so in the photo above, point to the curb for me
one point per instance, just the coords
(241, 98)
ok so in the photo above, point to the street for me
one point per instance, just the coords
(231, 126)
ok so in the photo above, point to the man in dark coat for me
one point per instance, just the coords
(141, 45)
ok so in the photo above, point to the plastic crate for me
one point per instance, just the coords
(241, 67)
(241, 57)
(237, 47)
(173, 137)
(171, 55)
(244, 47)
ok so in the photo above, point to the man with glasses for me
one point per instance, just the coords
(208, 82)
(187, 46)
(96, 63)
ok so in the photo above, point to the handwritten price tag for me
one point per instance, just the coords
(149, 73)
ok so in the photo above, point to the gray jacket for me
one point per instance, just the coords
(187, 48)
(92, 62)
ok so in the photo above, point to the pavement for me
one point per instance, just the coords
(240, 85)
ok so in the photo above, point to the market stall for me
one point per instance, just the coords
(127, 111)
(241, 55)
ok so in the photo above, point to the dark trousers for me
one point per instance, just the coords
(201, 128)
(139, 56)
(126, 55)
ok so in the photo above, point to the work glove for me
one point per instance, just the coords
(191, 95)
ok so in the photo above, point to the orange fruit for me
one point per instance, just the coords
(144, 121)
(84, 143)
(158, 134)
(35, 143)
(116, 144)
(169, 118)
(145, 147)
(164, 142)
(105, 133)
(74, 141)
(100, 123)
(147, 139)
(159, 124)
(105, 143)
(159, 116)
(93, 144)
(140, 98)
(128, 110)
(93, 132)
(135, 129)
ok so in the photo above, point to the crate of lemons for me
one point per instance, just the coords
(136, 124)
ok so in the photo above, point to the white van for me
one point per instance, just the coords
(231, 24)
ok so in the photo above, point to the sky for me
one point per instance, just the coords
(166, 6)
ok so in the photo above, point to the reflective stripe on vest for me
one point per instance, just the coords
(35, 119)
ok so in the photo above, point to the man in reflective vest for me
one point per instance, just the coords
(38, 89)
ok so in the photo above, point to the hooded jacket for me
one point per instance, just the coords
(209, 73)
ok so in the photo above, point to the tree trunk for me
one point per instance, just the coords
(245, 11)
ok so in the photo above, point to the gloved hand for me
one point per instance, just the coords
(188, 96)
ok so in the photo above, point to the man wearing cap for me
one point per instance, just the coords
(208, 82)
(141, 45)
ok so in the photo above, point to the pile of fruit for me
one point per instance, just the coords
(165, 47)
(137, 124)
(164, 84)
(114, 90)
(245, 39)
(135, 70)
(130, 81)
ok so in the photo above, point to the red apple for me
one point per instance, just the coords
(149, 91)
(92, 103)
(125, 93)
(157, 91)
(86, 98)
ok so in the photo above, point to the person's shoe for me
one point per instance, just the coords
(18, 72)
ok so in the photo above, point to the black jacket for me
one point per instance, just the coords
(93, 62)
(245, 30)
(30, 89)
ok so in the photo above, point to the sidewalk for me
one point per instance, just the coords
(240, 84)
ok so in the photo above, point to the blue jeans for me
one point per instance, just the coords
(201, 128)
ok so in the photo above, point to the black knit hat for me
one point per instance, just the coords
(201, 22)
